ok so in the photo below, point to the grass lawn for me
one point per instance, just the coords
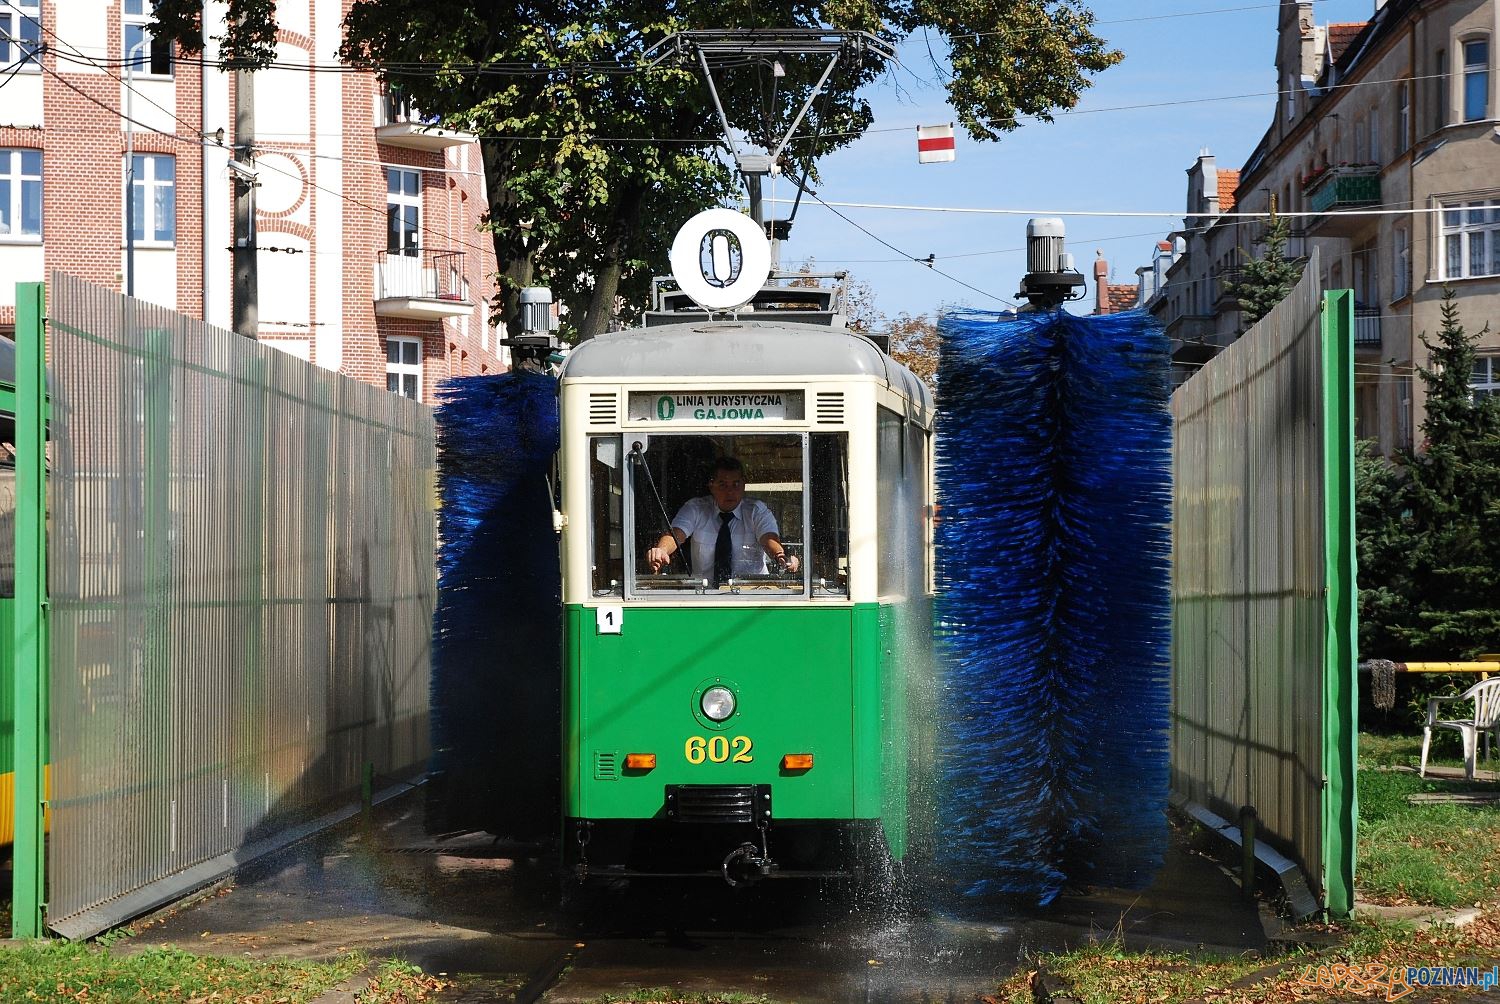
(1438, 855)
(58, 972)
(1107, 974)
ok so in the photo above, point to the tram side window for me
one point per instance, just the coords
(828, 506)
(607, 485)
(669, 478)
(901, 470)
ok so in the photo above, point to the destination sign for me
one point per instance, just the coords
(692, 407)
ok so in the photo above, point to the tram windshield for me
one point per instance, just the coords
(660, 502)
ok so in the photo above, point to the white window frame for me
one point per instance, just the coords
(1479, 68)
(400, 369)
(399, 200)
(138, 47)
(1485, 380)
(1459, 225)
(13, 171)
(21, 20)
(147, 179)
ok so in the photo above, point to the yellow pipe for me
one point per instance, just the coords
(1448, 667)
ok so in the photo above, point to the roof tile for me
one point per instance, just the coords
(1121, 296)
(1228, 182)
(1340, 35)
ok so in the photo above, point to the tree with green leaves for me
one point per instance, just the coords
(1265, 281)
(594, 154)
(1453, 498)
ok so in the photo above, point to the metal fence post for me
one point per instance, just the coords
(28, 881)
(1340, 686)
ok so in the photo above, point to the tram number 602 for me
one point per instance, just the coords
(718, 749)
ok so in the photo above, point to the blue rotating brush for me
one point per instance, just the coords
(497, 629)
(1054, 474)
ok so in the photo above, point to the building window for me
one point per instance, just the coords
(1361, 141)
(153, 198)
(20, 32)
(1401, 259)
(403, 367)
(1476, 80)
(144, 52)
(403, 210)
(1403, 116)
(1471, 239)
(21, 194)
(1486, 379)
(1374, 136)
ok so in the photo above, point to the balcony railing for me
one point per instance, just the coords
(1367, 326)
(1337, 191)
(421, 283)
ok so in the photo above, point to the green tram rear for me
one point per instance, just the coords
(826, 750)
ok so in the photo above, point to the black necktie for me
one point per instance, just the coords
(723, 563)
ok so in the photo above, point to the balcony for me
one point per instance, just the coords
(402, 124)
(1338, 191)
(1194, 338)
(421, 285)
(1366, 327)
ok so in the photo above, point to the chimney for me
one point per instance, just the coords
(1101, 282)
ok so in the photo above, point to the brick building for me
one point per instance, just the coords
(1112, 297)
(370, 259)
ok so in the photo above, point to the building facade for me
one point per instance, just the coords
(1384, 153)
(369, 255)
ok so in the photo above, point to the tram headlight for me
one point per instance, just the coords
(717, 703)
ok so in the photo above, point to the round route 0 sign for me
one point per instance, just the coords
(721, 290)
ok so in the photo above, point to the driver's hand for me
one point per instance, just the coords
(790, 563)
(657, 558)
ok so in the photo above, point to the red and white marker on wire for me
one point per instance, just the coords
(935, 144)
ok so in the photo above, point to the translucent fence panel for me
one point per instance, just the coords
(242, 582)
(1251, 615)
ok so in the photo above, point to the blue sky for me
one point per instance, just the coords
(1099, 160)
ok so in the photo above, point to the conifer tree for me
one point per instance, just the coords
(1383, 530)
(1268, 279)
(1454, 500)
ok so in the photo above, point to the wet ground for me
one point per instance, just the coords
(485, 916)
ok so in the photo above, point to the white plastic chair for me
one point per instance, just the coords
(1485, 723)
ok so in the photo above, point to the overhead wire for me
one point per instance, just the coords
(918, 261)
(379, 211)
(397, 69)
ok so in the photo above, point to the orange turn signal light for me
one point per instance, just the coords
(640, 761)
(797, 761)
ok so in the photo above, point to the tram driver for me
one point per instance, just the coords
(731, 535)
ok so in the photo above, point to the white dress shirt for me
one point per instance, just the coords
(699, 519)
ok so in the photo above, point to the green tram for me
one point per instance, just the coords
(771, 721)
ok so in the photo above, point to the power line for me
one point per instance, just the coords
(918, 261)
(377, 210)
(1146, 214)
